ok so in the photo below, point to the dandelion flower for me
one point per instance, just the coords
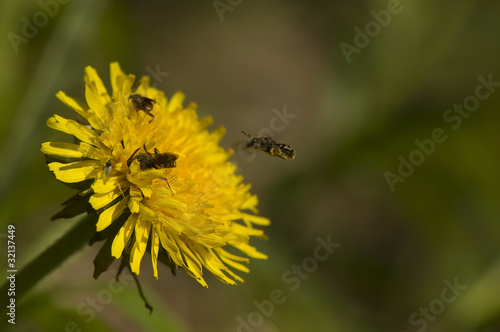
(195, 210)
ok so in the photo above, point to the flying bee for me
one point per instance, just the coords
(157, 160)
(142, 103)
(269, 146)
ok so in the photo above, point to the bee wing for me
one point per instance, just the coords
(175, 155)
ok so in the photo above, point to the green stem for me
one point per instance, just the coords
(49, 260)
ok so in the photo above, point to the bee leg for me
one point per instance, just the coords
(156, 151)
(152, 117)
(168, 184)
(144, 146)
(129, 160)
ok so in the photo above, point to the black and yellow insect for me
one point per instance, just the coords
(107, 168)
(142, 103)
(157, 160)
(269, 146)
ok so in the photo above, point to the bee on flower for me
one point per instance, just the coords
(183, 201)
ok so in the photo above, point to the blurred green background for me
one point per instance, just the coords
(400, 250)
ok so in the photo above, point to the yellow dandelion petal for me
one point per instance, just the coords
(141, 232)
(58, 123)
(91, 76)
(121, 83)
(96, 104)
(74, 172)
(115, 73)
(134, 204)
(223, 253)
(191, 263)
(110, 214)
(73, 104)
(170, 246)
(148, 214)
(175, 102)
(81, 132)
(94, 120)
(123, 236)
(155, 246)
(90, 151)
(146, 192)
(213, 264)
(212, 240)
(205, 122)
(247, 231)
(250, 204)
(104, 186)
(171, 224)
(99, 201)
(234, 276)
(61, 149)
(248, 250)
(232, 263)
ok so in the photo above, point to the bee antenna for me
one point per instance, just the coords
(248, 135)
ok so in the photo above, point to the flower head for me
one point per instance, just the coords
(152, 168)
